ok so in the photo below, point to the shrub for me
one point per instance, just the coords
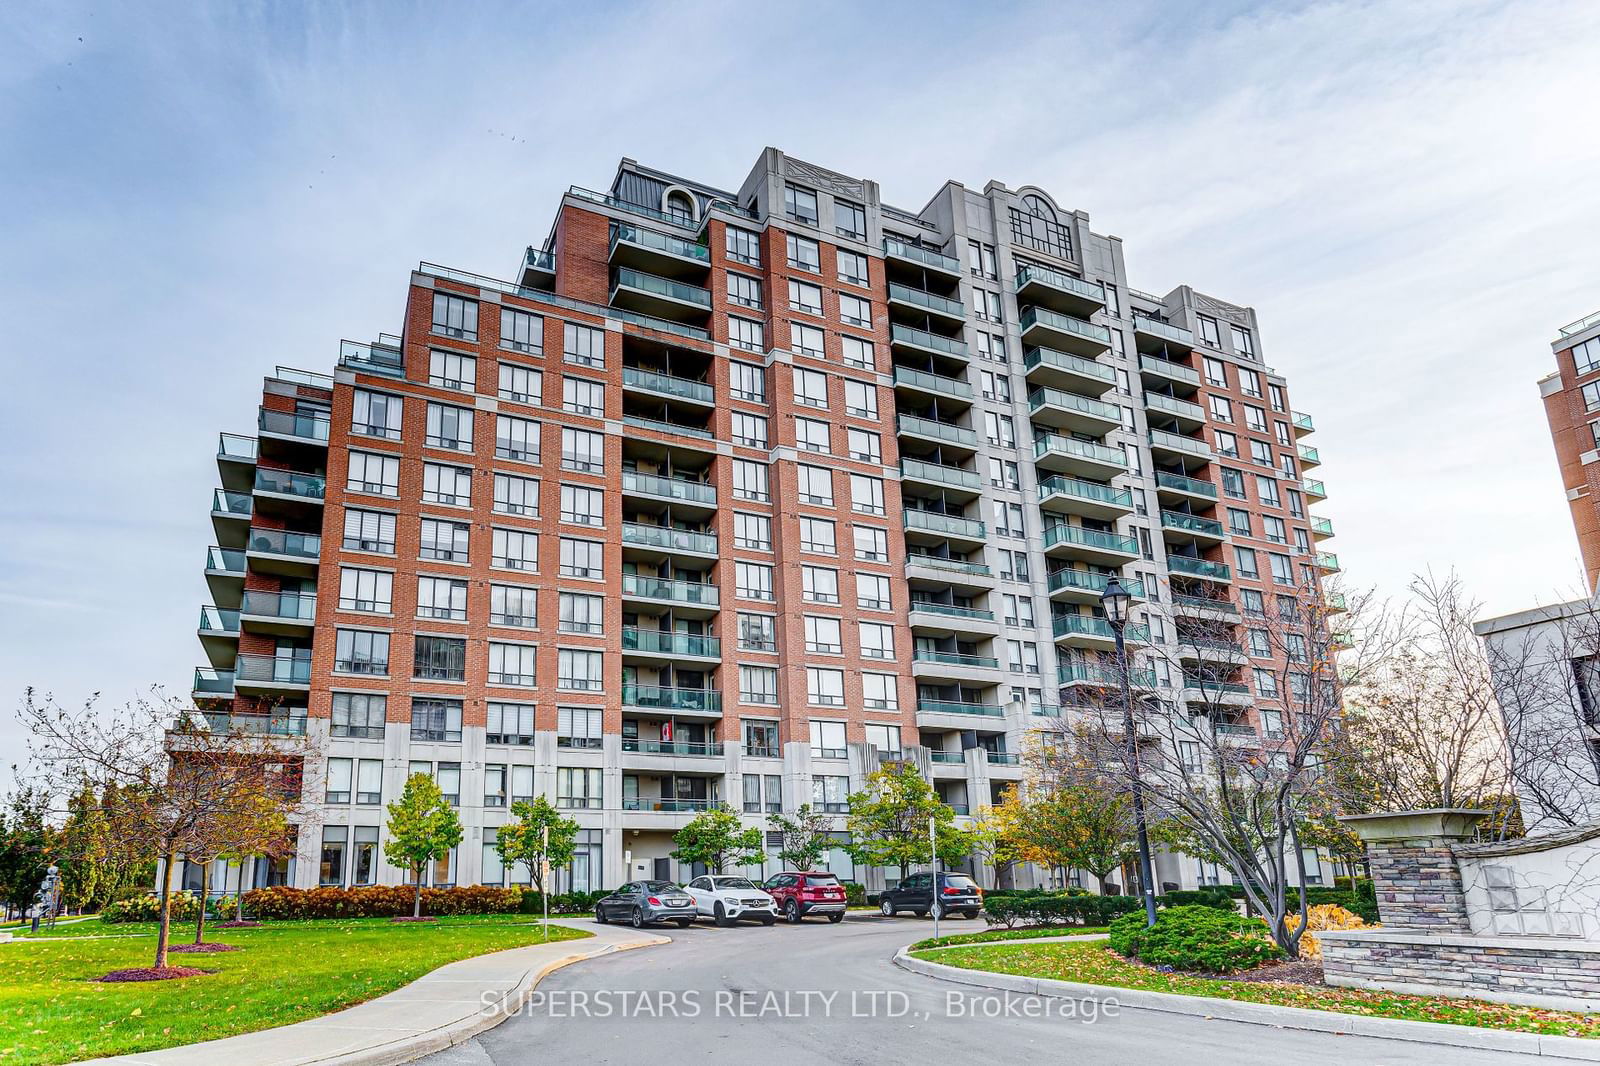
(223, 907)
(560, 902)
(1320, 917)
(1196, 939)
(181, 907)
(1058, 909)
(378, 901)
(1215, 897)
(855, 894)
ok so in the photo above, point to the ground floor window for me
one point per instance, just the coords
(586, 872)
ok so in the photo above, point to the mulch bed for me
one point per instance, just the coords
(239, 924)
(408, 918)
(1298, 972)
(200, 949)
(150, 973)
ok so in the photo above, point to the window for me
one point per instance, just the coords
(856, 352)
(990, 346)
(368, 531)
(1233, 483)
(743, 246)
(516, 438)
(995, 385)
(1004, 474)
(1221, 409)
(811, 435)
(981, 261)
(749, 430)
(579, 787)
(1216, 373)
(1591, 395)
(373, 474)
(865, 445)
(494, 785)
(885, 738)
(521, 784)
(377, 414)
(512, 605)
(1250, 383)
(1297, 505)
(800, 204)
(1282, 571)
(1261, 452)
(827, 739)
(1274, 529)
(369, 793)
(1278, 402)
(744, 291)
(444, 540)
(817, 535)
(877, 640)
(1281, 430)
(1586, 356)
(521, 384)
(514, 549)
(583, 450)
(436, 720)
(521, 331)
(451, 370)
(455, 316)
(860, 399)
(805, 339)
(852, 268)
(447, 484)
(753, 531)
(1252, 603)
(1013, 565)
(1242, 342)
(753, 581)
(1244, 560)
(1022, 656)
(746, 333)
(819, 584)
(581, 558)
(584, 345)
(747, 381)
(1208, 331)
(582, 396)
(439, 659)
(822, 636)
(1227, 444)
(803, 254)
(516, 495)
(854, 310)
(805, 297)
(361, 651)
(365, 590)
(1239, 522)
(866, 494)
(1260, 644)
(849, 220)
(582, 505)
(872, 592)
(509, 724)
(1000, 430)
(880, 692)
(750, 481)
(1255, 418)
(1034, 225)
(581, 613)
(578, 671)
(830, 793)
(511, 664)
(758, 684)
(359, 714)
(757, 632)
(1018, 610)
(986, 306)
(872, 544)
(816, 485)
(1267, 489)
(1008, 520)
(442, 597)
(578, 727)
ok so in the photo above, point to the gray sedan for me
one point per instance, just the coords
(641, 902)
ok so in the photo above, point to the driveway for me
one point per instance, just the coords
(817, 994)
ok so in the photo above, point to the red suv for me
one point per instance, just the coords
(800, 894)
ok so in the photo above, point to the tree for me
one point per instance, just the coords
(246, 821)
(993, 839)
(888, 821)
(523, 839)
(1072, 815)
(807, 837)
(83, 852)
(26, 845)
(423, 827)
(717, 839)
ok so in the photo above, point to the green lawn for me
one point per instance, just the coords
(1094, 963)
(1028, 933)
(51, 1010)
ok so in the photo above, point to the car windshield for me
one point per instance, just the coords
(731, 882)
(822, 880)
(659, 886)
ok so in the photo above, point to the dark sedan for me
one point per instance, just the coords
(641, 902)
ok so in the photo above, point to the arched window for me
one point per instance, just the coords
(680, 206)
(1035, 226)
(1038, 207)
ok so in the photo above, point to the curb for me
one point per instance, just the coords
(1440, 1034)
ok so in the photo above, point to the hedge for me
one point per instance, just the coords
(1057, 909)
(378, 901)
(181, 907)
(532, 901)
(1216, 898)
(1195, 939)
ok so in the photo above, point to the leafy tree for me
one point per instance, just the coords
(522, 840)
(248, 821)
(993, 839)
(83, 853)
(717, 839)
(422, 829)
(888, 821)
(27, 844)
(807, 837)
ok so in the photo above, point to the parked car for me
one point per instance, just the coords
(957, 892)
(642, 902)
(801, 893)
(727, 899)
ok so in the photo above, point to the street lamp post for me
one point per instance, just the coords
(1117, 600)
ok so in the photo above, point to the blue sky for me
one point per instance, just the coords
(192, 195)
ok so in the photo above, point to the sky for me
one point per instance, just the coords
(192, 195)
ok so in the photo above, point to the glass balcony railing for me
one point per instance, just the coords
(950, 610)
(921, 298)
(236, 447)
(1086, 581)
(1328, 561)
(660, 242)
(668, 805)
(285, 542)
(921, 338)
(1047, 319)
(669, 488)
(274, 669)
(922, 379)
(1180, 483)
(959, 566)
(671, 747)
(287, 606)
(946, 756)
(683, 540)
(1212, 647)
(372, 359)
(1204, 603)
(661, 426)
(1157, 365)
(1308, 454)
(1085, 490)
(276, 725)
(664, 643)
(929, 427)
(289, 424)
(666, 288)
(1177, 442)
(1071, 401)
(659, 588)
(213, 682)
(238, 504)
(1096, 674)
(1183, 564)
(953, 525)
(1165, 330)
(667, 385)
(540, 259)
(225, 560)
(1088, 625)
(925, 256)
(1302, 421)
(958, 707)
(940, 472)
(662, 697)
(953, 658)
(1083, 449)
(1155, 401)
(1209, 687)
(219, 621)
(1316, 489)
(1337, 603)
(1191, 523)
(1062, 533)
(1071, 364)
(289, 483)
(1322, 527)
(1033, 273)
(1003, 758)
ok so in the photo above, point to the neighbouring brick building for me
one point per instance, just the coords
(724, 497)
(1572, 405)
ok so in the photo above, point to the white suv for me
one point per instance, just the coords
(727, 899)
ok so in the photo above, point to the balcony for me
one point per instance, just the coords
(236, 461)
(1090, 631)
(1309, 456)
(1201, 568)
(1190, 417)
(676, 700)
(1205, 649)
(289, 494)
(212, 684)
(1154, 370)
(937, 527)
(936, 432)
(219, 635)
(685, 496)
(928, 664)
(289, 434)
(680, 429)
(1067, 455)
(652, 294)
(1204, 607)
(538, 268)
(669, 805)
(1044, 328)
(1328, 562)
(1215, 693)
(1153, 335)
(1188, 526)
(937, 570)
(947, 757)
(1175, 446)
(1046, 366)
(662, 254)
(272, 673)
(1085, 586)
(230, 516)
(946, 618)
(1069, 411)
(1094, 675)
(1321, 528)
(1315, 489)
(921, 342)
(653, 642)
(1091, 545)
(689, 598)
(284, 552)
(1336, 603)
(954, 483)
(665, 540)
(1067, 495)
(1180, 487)
(1302, 423)
(272, 725)
(225, 575)
(987, 710)
(926, 304)
(934, 384)
(669, 747)
(946, 266)
(1002, 758)
(278, 613)
(669, 386)
(1059, 291)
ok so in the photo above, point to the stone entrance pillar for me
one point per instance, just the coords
(1414, 872)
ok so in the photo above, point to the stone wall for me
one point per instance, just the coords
(1418, 885)
(1561, 974)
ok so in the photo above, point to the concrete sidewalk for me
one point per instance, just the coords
(438, 1010)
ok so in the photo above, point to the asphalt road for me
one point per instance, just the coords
(817, 994)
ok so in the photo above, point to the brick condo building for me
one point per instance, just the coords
(727, 496)
(1572, 405)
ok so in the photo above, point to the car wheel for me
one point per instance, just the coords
(768, 919)
(969, 915)
(886, 909)
(636, 919)
(600, 915)
(721, 917)
(791, 911)
(836, 918)
(684, 923)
